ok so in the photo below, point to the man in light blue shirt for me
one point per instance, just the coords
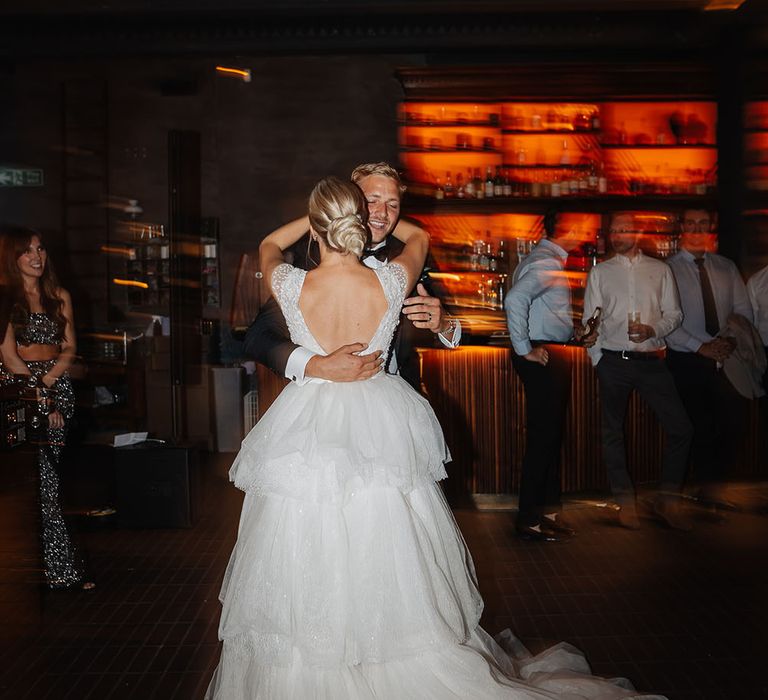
(539, 317)
(711, 289)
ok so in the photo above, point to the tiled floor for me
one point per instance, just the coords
(680, 614)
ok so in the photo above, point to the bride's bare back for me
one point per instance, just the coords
(342, 304)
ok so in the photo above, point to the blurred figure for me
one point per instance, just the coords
(39, 344)
(539, 315)
(640, 307)
(711, 289)
(757, 290)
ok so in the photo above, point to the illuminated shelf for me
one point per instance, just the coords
(651, 146)
(413, 149)
(553, 132)
(435, 125)
(546, 166)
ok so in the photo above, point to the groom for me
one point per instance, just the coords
(267, 339)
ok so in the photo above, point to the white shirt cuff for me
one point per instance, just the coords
(297, 365)
(455, 340)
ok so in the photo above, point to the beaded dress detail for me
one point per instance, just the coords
(63, 566)
(349, 579)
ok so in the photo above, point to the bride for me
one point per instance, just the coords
(349, 578)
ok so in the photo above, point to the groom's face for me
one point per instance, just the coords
(383, 197)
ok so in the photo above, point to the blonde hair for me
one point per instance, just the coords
(338, 213)
(382, 168)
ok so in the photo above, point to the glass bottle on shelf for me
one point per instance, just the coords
(439, 191)
(479, 185)
(555, 187)
(506, 184)
(449, 191)
(596, 119)
(469, 185)
(565, 156)
(498, 183)
(488, 183)
(501, 257)
(460, 186)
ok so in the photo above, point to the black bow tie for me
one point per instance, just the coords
(381, 254)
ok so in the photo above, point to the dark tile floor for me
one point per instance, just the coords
(684, 614)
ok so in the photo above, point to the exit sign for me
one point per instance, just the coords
(21, 177)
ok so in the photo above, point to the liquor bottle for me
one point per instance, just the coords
(484, 261)
(555, 191)
(592, 178)
(498, 183)
(501, 256)
(565, 156)
(478, 185)
(460, 186)
(506, 188)
(439, 191)
(602, 180)
(449, 191)
(593, 321)
(469, 185)
(536, 187)
(600, 244)
(493, 261)
(488, 183)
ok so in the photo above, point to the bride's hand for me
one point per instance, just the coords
(345, 364)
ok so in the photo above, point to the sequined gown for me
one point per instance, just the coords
(63, 565)
(350, 579)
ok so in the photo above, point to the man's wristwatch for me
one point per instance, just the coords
(448, 332)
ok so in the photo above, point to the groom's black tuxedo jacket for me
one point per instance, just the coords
(268, 341)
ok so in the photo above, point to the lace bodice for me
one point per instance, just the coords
(287, 282)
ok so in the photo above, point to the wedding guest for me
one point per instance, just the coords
(711, 289)
(39, 343)
(640, 307)
(540, 320)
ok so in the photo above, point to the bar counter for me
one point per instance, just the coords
(479, 401)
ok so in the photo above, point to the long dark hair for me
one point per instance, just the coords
(16, 242)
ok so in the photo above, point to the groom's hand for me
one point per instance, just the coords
(345, 364)
(425, 311)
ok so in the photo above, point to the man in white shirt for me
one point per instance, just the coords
(757, 290)
(710, 289)
(640, 306)
(540, 321)
(268, 340)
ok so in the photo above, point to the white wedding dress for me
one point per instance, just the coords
(350, 579)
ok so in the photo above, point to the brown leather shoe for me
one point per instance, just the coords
(628, 517)
(670, 513)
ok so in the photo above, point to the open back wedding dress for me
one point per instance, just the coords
(350, 579)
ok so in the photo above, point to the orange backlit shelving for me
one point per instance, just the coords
(590, 158)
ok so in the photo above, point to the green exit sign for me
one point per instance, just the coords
(21, 177)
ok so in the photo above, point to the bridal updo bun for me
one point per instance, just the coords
(338, 213)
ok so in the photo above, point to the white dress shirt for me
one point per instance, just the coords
(727, 287)
(757, 290)
(538, 305)
(296, 366)
(620, 285)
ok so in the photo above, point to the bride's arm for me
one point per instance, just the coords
(414, 254)
(272, 247)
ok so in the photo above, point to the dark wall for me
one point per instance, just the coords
(264, 143)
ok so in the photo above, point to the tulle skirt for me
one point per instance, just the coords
(350, 579)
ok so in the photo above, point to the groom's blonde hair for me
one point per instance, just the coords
(365, 169)
(338, 213)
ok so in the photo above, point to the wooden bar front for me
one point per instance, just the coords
(479, 401)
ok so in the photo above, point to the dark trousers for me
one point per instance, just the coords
(653, 381)
(718, 413)
(547, 392)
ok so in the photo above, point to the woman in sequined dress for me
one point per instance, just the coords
(40, 342)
